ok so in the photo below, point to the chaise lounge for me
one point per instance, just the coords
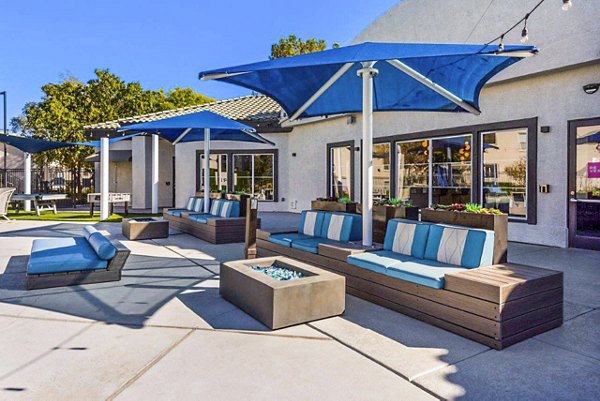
(58, 262)
(441, 274)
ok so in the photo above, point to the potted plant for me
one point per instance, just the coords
(332, 204)
(388, 209)
(474, 216)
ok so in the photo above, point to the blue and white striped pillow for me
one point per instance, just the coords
(215, 207)
(198, 205)
(310, 223)
(225, 209)
(406, 237)
(190, 203)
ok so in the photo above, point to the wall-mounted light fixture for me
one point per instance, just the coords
(590, 89)
(545, 129)
(350, 120)
(293, 154)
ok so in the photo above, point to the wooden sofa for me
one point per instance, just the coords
(496, 304)
(225, 223)
(59, 262)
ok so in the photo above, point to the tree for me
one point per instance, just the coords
(68, 106)
(293, 45)
(518, 171)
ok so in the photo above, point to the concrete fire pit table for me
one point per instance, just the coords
(316, 295)
(145, 228)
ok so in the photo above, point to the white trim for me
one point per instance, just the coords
(221, 75)
(433, 86)
(321, 90)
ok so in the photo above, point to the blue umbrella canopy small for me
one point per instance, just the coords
(193, 125)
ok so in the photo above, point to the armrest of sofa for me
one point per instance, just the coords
(264, 234)
(118, 261)
(226, 221)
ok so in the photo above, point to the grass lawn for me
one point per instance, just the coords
(83, 216)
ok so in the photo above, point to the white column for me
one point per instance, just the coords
(206, 169)
(155, 146)
(104, 150)
(367, 73)
(27, 189)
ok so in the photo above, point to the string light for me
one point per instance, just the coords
(525, 32)
(566, 6)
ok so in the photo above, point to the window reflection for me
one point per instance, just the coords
(340, 171)
(381, 170)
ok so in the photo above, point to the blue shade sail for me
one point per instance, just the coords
(32, 145)
(221, 128)
(460, 69)
(116, 139)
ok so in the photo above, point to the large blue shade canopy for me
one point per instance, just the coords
(192, 126)
(32, 145)
(326, 83)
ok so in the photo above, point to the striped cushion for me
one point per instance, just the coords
(215, 208)
(406, 237)
(310, 223)
(460, 246)
(198, 205)
(226, 209)
(190, 203)
(337, 226)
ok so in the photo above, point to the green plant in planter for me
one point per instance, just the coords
(473, 208)
(344, 199)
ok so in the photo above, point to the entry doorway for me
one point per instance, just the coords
(584, 183)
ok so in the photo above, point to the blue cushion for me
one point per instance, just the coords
(286, 239)
(201, 217)
(311, 222)
(230, 209)
(310, 244)
(62, 255)
(215, 207)
(337, 226)
(425, 272)
(377, 261)
(176, 212)
(407, 237)
(102, 246)
(466, 247)
(198, 205)
(89, 230)
(190, 203)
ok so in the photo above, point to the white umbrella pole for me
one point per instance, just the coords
(27, 189)
(206, 169)
(367, 73)
(104, 149)
(155, 147)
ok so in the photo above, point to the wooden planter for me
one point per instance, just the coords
(383, 214)
(333, 206)
(212, 195)
(498, 223)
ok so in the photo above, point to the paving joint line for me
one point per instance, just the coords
(383, 365)
(566, 349)
(148, 366)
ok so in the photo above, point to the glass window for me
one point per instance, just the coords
(254, 174)
(340, 171)
(381, 170)
(504, 175)
(218, 172)
(413, 172)
(451, 170)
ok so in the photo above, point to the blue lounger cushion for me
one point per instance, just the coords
(338, 226)
(377, 261)
(311, 222)
(89, 230)
(63, 254)
(407, 237)
(102, 246)
(311, 244)
(466, 247)
(286, 239)
(429, 273)
(200, 218)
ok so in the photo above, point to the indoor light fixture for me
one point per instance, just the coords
(567, 5)
(590, 89)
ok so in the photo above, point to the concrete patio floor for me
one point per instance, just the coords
(163, 332)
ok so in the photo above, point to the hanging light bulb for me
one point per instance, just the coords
(567, 5)
(525, 32)
(501, 45)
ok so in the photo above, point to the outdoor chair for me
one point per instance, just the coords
(5, 195)
(59, 262)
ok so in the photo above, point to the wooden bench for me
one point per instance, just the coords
(497, 306)
(216, 231)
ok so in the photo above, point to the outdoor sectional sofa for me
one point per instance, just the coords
(441, 274)
(92, 258)
(224, 223)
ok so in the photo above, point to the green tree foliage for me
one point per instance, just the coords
(293, 45)
(68, 106)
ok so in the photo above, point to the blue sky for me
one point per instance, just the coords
(160, 43)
